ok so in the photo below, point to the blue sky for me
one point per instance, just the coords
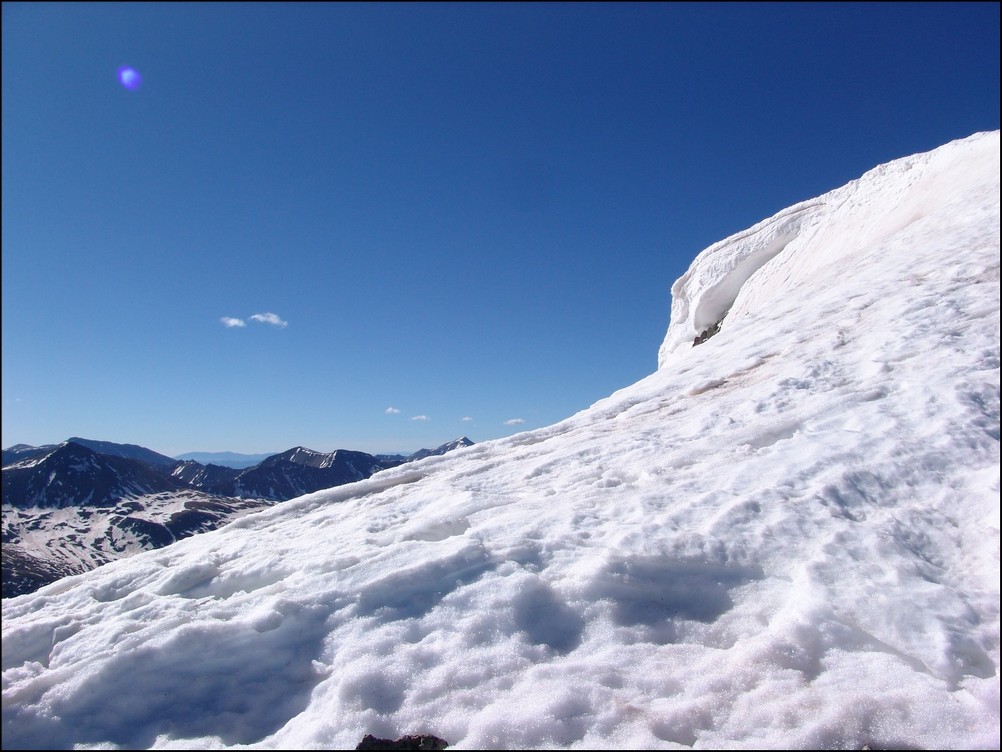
(448, 219)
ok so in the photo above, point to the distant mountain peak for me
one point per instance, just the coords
(72, 474)
(459, 443)
(19, 448)
(130, 451)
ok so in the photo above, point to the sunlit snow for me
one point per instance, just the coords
(785, 537)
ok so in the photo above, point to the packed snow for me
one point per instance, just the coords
(785, 537)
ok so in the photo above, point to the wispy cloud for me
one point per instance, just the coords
(270, 318)
(420, 417)
(466, 419)
(514, 422)
(392, 410)
(229, 322)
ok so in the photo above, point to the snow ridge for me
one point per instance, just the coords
(750, 269)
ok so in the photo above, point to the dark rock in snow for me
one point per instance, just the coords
(707, 333)
(411, 741)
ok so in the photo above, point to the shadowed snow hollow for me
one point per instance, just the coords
(787, 537)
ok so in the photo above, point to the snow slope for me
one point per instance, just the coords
(811, 240)
(786, 537)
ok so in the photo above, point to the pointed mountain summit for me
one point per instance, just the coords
(785, 537)
(299, 471)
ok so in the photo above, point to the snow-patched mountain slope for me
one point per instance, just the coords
(43, 544)
(787, 537)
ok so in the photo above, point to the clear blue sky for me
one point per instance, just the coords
(458, 211)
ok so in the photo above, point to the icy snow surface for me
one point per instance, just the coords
(786, 537)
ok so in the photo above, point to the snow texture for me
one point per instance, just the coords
(787, 537)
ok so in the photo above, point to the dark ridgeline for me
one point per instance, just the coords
(125, 498)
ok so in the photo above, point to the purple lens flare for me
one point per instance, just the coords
(129, 78)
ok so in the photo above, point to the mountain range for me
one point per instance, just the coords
(69, 507)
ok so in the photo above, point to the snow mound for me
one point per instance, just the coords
(808, 241)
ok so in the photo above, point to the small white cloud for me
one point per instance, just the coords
(466, 419)
(420, 417)
(392, 410)
(270, 318)
(229, 322)
(514, 422)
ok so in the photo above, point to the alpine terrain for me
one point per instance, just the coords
(785, 537)
(70, 507)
